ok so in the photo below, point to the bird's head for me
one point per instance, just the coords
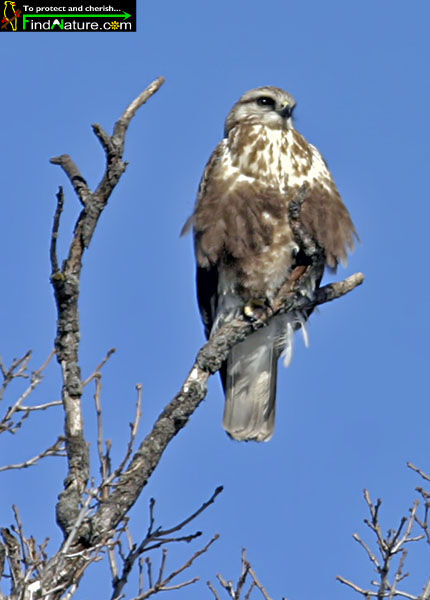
(268, 105)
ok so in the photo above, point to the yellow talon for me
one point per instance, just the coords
(253, 308)
(248, 311)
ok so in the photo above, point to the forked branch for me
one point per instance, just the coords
(66, 284)
(246, 584)
(391, 549)
(20, 410)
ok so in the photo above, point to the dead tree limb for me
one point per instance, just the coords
(155, 538)
(391, 549)
(66, 283)
(248, 580)
(18, 412)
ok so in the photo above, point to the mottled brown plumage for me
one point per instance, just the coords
(245, 248)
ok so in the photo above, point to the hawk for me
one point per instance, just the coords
(246, 250)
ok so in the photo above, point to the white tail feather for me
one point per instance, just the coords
(250, 387)
(289, 344)
(305, 333)
(249, 412)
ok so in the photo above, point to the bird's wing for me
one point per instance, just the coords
(207, 295)
(324, 215)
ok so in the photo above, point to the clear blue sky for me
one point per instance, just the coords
(354, 407)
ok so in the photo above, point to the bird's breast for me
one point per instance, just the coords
(277, 157)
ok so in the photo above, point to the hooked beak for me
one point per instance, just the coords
(286, 110)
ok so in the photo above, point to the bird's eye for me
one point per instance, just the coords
(266, 101)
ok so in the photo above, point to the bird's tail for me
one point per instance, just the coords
(250, 386)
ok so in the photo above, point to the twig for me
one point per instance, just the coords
(259, 584)
(25, 408)
(57, 449)
(36, 378)
(102, 457)
(426, 591)
(14, 557)
(141, 575)
(419, 471)
(253, 574)
(247, 572)
(399, 575)
(227, 585)
(162, 566)
(79, 184)
(203, 507)
(370, 554)
(249, 592)
(366, 593)
(149, 571)
(134, 428)
(99, 367)
(163, 584)
(371, 594)
(213, 590)
(17, 369)
(55, 229)
(19, 530)
(394, 542)
(122, 124)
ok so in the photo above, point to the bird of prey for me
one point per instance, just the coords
(246, 250)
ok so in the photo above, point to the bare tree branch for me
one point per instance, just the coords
(247, 575)
(258, 584)
(66, 282)
(392, 545)
(99, 367)
(154, 539)
(17, 369)
(419, 471)
(57, 449)
(134, 427)
(162, 583)
(79, 184)
(14, 557)
(213, 590)
(17, 413)
(55, 230)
